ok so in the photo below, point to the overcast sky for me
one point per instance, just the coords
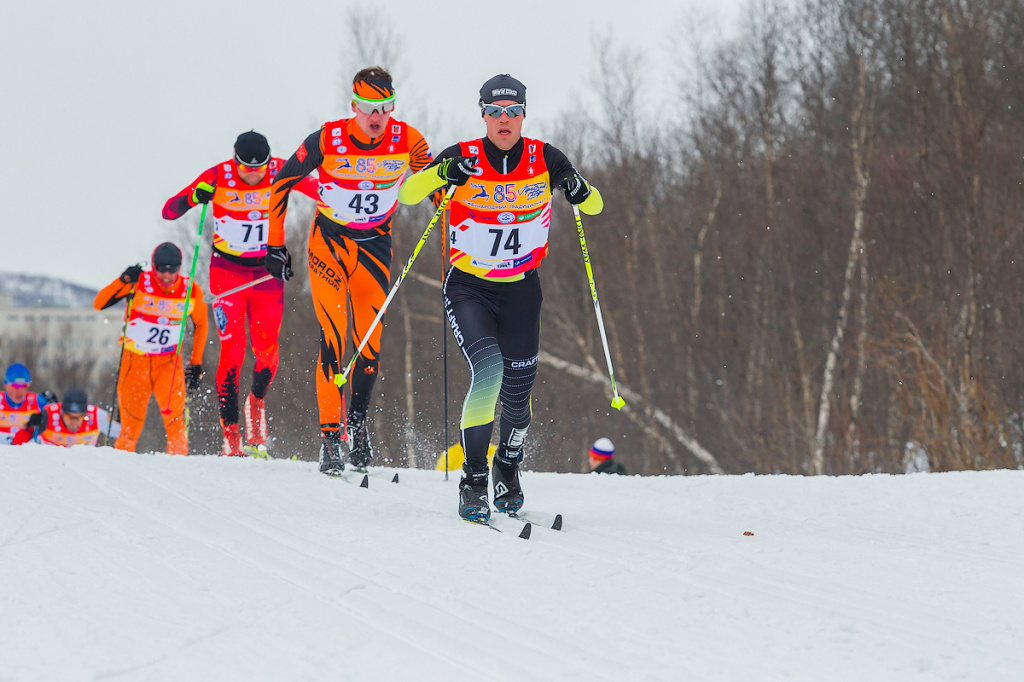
(107, 108)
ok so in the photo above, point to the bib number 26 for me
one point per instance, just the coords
(159, 336)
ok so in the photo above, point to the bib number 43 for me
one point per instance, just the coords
(365, 203)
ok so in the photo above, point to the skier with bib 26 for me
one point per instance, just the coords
(500, 216)
(150, 362)
(360, 163)
(239, 191)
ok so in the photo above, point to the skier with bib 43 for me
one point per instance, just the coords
(500, 216)
(360, 163)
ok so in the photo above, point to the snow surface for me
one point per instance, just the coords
(116, 566)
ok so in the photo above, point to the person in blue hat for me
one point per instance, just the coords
(17, 403)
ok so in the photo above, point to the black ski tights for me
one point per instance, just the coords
(497, 326)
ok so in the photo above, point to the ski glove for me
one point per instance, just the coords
(457, 170)
(35, 421)
(279, 262)
(193, 375)
(575, 188)
(131, 274)
(202, 193)
(47, 397)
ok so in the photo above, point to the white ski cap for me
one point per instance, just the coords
(602, 448)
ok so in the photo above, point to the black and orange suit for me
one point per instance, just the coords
(349, 248)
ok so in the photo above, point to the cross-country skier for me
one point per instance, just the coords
(150, 362)
(70, 422)
(500, 215)
(17, 403)
(239, 190)
(361, 162)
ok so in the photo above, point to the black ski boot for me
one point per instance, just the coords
(508, 494)
(331, 462)
(473, 504)
(360, 452)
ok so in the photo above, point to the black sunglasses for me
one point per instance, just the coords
(167, 268)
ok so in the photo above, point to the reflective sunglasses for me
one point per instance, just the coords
(495, 111)
(368, 106)
(243, 168)
(167, 268)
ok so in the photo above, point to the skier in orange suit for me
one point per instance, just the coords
(150, 362)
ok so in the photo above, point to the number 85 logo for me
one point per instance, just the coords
(505, 193)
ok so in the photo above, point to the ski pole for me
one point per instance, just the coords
(210, 298)
(444, 333)
(617, 401)
(115, 408)
(184, 313)
(342, 379)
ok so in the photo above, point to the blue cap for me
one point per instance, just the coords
(17, 374)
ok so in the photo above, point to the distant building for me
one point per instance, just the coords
(44, 338)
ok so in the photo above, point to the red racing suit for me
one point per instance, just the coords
(13, 417)
(240, 230)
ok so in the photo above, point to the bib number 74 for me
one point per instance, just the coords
(511, 244)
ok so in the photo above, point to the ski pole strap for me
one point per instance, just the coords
(617, 401)
(341, 379)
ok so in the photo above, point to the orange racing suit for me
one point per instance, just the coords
(150, 363)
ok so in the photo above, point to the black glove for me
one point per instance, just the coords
(35, 421)
(193, 375)
(458, 169)
(575, 188)
(131, 274)
(48, 397)
(279, 262)
(202, 193)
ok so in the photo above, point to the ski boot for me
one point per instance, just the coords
(331, 462)
(508, 494)
(473, 504)
(255, 427)
(232, 446)
(360, 452)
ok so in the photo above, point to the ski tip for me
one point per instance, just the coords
(557, 525)
(365, 482)
(525, 534)
(395, 479)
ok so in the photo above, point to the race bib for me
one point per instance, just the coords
(13, 420)
(499, 246)
(359, 206)
(153, 338)
(243, 236)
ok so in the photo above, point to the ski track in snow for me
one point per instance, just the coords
(116, 566)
